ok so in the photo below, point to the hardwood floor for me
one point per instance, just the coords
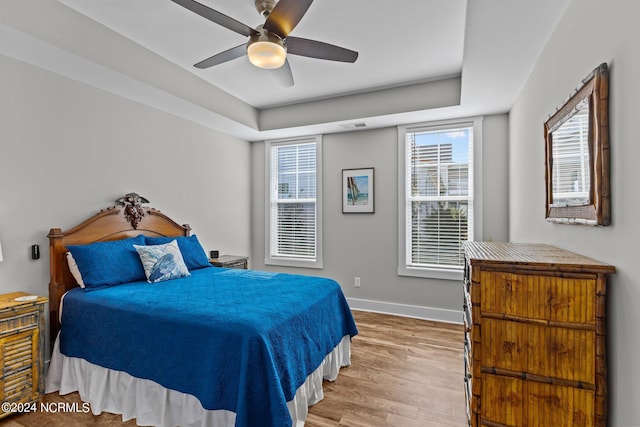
(405, 373)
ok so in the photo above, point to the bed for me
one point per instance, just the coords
(189, 344)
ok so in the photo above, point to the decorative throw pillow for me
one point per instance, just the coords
(162, 262)
(193, 254)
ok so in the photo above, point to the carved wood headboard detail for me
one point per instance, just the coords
(114, 223)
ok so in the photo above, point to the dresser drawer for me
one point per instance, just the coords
(554, 298)
(16, 321)
(230, 261)
(550, 352)
(513, 402)
(238, 265)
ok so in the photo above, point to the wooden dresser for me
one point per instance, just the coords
(535, 336)
(21, 350)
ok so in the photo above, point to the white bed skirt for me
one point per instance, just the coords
(153, 405)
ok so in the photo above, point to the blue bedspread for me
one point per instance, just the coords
(239, 340)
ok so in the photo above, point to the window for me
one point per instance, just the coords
(571, 166)
(294, 203)
(437, 205)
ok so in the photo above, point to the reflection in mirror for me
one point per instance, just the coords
(577, 155)
(571, 175)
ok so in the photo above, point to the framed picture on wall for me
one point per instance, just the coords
(357, 191)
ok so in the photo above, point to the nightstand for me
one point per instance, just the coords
(21, 348)
(231, 261)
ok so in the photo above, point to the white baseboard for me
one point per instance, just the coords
(415, 311)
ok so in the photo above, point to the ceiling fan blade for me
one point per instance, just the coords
(227, 55)
(286, 15)
(283, 74)
(319, 50)
(217, 17)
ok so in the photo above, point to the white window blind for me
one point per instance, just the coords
(438, 195)
(293, 202)
(571, 178)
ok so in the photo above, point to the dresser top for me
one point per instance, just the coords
(24, 299)
(532, 255)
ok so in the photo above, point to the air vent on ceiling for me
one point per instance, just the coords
(359, 125)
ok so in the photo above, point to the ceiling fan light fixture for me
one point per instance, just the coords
(266, 50)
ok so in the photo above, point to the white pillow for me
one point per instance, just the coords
(75, 272)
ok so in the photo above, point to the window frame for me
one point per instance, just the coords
(445, 273)
(269, 258)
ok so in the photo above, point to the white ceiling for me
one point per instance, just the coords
(491, 45)
(433, 29)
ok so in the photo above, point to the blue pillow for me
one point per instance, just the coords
(103, 264)
(162, 262)
(192, 252)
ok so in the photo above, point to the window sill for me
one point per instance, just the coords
(431, 273)
(292, 262)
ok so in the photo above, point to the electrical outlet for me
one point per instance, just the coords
(356, 282)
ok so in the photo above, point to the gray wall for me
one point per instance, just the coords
(366, 245)
(590, 32)
(68, 150)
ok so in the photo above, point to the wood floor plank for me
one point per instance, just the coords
(404, 372)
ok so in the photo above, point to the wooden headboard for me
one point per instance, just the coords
(128, 219)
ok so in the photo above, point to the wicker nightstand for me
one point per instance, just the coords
(231, 261)
(21, 348)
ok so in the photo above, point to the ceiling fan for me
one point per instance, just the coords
(270, 42)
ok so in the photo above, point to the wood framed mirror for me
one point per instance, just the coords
(577, 155)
